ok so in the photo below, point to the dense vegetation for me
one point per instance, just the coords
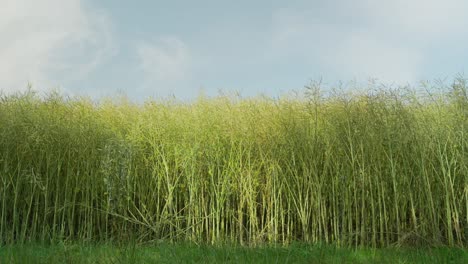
(100, 253)
(373, 168)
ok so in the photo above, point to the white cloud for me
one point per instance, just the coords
(387, 40)
(423, 18)
(164, 61)
(363, 56)
(50, 42)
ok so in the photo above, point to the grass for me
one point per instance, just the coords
(190, 253)
(376, 168)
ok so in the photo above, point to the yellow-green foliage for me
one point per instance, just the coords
(372, 168)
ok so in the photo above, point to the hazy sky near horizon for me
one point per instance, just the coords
(160, 48)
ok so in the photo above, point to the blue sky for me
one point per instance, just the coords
(162, 48)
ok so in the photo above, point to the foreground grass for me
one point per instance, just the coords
(372, 168)
(190, 253)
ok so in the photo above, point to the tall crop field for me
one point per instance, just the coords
(372, 168)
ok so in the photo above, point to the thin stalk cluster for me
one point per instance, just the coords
(373, 168)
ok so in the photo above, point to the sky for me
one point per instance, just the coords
(151, 48)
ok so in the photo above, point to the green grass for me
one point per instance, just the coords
(374, 168)
(189, 253)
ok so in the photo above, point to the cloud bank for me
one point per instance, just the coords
(50, 42)
(391, 41)
(165, 62)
